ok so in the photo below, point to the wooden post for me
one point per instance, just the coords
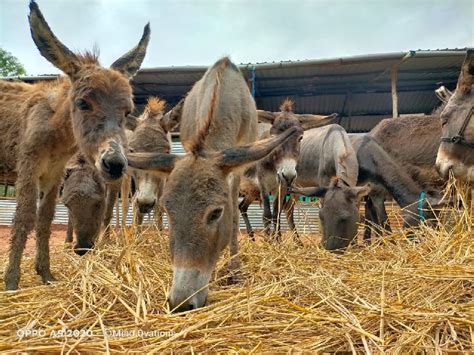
(394, 73)
(349, 110)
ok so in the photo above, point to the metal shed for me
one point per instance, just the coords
(361, 89)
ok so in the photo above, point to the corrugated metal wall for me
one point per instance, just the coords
(306, 216)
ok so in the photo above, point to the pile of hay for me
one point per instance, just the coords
(395, 295)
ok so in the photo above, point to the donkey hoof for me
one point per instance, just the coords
(48, 279)
(46, 276)
(11, 285)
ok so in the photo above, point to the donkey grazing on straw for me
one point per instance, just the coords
(201, 193)
(90, 200)
(43, 125)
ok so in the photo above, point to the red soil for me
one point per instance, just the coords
(58, 235)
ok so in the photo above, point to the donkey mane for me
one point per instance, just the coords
(154, 106)
(437, 111)
(198, 145)
(89, 56)
(287, 105)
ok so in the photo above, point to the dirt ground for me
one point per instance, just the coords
(58, 236)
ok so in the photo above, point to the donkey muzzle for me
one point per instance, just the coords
(189, 290)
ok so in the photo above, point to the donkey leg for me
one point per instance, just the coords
(23, 224)
(158, 209)
(379, 205)
(234, 266)
(289, 211)
(159, 217)
(49, 189)
(369, 219)
(243, 207)
(138, 215)
(277, 208)
(111, 199)
(267, 214)
(70, 231)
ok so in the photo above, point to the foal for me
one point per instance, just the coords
(43, 125)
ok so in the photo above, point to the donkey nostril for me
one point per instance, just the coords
(190, 307)
(105, 165)
(113, 167)
(289, 179)
(146, 207)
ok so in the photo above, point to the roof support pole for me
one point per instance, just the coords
(394, 74)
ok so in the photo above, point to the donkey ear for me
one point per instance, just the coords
(131, 122)
(130, 62)
(443, 94)
(466, 78)
(319, 191)
(237, 157)
(173, 117)
(157, 162)
(358, 192)
(49, 46)
(313, 121)
(266, 116)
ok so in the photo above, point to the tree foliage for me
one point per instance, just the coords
(10, 65)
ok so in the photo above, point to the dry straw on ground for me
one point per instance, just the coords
(395, 296)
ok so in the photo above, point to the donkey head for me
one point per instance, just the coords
(150, 136)
(456, 151)
(284, 158)
(339, 214)
(198, 201)
(99, 99)
(84, 196)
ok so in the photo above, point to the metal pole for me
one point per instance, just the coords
(394, 72)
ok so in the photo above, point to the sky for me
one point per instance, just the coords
(198, 32)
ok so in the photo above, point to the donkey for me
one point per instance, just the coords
(376, 169)
(328, 166)
(280, 166)
(201, 193)
(380, 168)
(456, 150)
(43, 125)
(84, 195)
(151, 136)
(90, 200)
(412, 141)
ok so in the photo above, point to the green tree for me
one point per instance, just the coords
(10, 65)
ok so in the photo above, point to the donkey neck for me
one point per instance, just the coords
(61, 121)
(377, 166)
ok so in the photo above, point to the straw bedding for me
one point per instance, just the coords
(395, 296)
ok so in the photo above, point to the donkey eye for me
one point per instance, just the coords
(82, 105)
(444, 120)
(214, 215)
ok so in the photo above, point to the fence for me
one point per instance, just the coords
(306, 216)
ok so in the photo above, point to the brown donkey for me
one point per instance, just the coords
(90, 200)
(151, 136)
(201, 193)
(43, 125)
(278, 171)
(456, 151)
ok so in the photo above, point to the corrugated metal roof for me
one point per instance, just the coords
(354, 86)
(357, 86)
